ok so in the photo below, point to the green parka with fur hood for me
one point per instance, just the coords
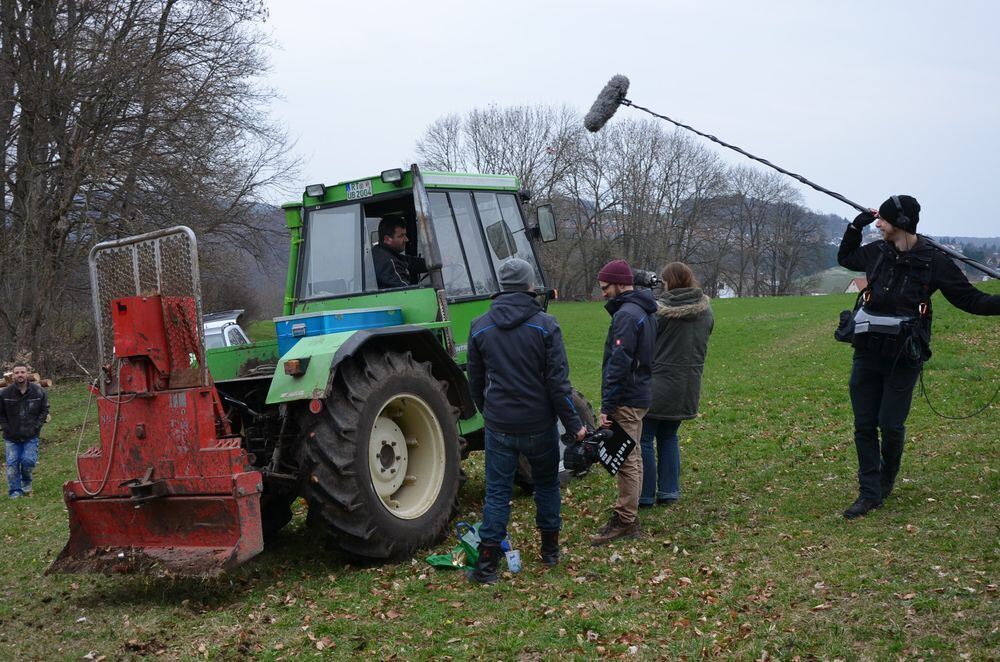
(684, 322)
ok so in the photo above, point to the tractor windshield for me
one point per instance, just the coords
(332, 261)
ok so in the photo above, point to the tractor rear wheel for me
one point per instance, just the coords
(380, 463)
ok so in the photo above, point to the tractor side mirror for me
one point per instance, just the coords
(546, 223)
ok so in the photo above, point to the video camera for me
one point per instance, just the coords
(579, 456)
(647, 279)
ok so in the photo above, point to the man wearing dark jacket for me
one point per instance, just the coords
(393, 267)
(903, 272)
(519, 378)
(626, 386)
(24, 406)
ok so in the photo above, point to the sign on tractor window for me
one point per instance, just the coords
(357, 190)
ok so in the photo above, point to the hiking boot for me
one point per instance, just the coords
(614, 529)
(550, 547)
(862, 506)
(485, 571)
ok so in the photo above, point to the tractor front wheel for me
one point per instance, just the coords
(380, 463)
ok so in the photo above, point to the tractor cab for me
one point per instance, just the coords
(461, 226)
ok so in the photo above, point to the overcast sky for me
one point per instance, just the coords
(868, 99)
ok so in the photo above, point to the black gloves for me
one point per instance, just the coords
(863, 219)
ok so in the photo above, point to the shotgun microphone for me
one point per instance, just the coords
(607, 103)
(613, 95)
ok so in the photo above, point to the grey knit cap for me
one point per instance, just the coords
(516, 275)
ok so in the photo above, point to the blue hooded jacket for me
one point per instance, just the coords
(628, 352)
(517, 367)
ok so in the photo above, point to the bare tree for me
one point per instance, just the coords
(119, 116)
(441, 147)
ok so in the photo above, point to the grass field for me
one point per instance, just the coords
(755, 560)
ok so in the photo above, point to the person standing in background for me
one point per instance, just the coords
(625, 386)
(684, 321)
(24, 407)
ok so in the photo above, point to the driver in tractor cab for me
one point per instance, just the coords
(393, 267)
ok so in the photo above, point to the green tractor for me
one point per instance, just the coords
(361, 405)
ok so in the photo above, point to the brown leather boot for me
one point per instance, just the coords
(615, 529)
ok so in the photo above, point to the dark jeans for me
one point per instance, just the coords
(881, 393)
(661, 461)
(502, 451)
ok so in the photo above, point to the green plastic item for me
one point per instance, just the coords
(465, 554)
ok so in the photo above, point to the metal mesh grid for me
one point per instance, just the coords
(164, 262)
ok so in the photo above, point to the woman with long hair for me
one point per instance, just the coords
(684, 322)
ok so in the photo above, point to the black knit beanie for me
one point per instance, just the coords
(911, 210)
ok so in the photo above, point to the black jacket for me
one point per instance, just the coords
(394, 269)
(23, 415)
(517, 367)
(904, 280)
(628, 351)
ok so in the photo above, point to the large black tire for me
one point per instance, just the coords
(380, 463)
(523, 476)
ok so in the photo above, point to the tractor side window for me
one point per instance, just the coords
(511, 211)
(453, 271)
(332, 263)
(501, 219)
(472, 239)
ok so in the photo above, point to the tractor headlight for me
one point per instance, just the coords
(316, 190)
(394, 176)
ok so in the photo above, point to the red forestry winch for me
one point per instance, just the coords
(169, 488)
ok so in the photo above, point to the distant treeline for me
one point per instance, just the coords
(644, 193)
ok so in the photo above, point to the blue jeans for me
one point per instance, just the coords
(502, 451)
(22, 456)
(661, 469)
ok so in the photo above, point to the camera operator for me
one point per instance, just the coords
(903, 272)
(625, 388)
(519, 378)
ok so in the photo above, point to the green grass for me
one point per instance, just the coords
(261, 330)
(754, 558)
(834, 280)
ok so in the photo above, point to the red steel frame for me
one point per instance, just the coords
(170, 487)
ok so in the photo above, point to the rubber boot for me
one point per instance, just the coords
(550, 547)
(485, 571)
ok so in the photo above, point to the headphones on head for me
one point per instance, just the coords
(903, 221)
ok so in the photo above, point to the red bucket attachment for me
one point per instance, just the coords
(173, 535)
